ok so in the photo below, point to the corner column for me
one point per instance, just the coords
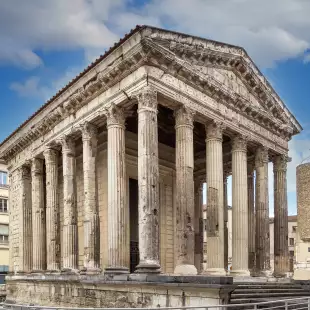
(281, 253)
(52, 211)
(148, 181)
(38, 216)
(118, 209)
(70, 234)
(251, 218)
(215, 199)
(240, 255)
(262, 240)
(25, 228)
(198, 225)
(225, 176)
(185, 208)
(91, 215)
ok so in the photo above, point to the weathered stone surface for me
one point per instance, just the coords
(198, 185)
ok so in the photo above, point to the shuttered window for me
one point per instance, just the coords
(3, 205)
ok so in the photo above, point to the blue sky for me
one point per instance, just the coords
(46, 43)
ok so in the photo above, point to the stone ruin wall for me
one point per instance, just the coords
(303, 200)
(166, 189)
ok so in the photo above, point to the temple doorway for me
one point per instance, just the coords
(134, 224)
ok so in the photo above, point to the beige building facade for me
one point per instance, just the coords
(106, 178)
(4, 221)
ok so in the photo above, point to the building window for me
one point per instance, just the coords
(4, 234)
(4, 239)
(291, 253)
(294, 229)
(3, 205)
(291, 241)
(3, 178)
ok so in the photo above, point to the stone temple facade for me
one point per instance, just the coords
(106, 177)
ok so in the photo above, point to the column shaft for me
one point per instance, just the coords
(240, 255)
(148, 181)
(185, 209)
(25, 228)
(91, 215)
(262, 240)
(118, 209)
(225, 221)
(38, 216)
(70, 233)
(281, 253)
(215, 197)
(251, 213)
(198, 225)
(52, 211)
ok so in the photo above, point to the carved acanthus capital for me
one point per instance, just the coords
(147, 99)
(36, 166)
(214, 130)
(251, 168)
(184, 116)
(50, 155)
(115, 115)
(24, 172)
(280, 163)
(261, 156)
(89, 131)
(239, 143)
(68, 145)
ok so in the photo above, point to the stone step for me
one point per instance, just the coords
(268, 290)
(268, 295)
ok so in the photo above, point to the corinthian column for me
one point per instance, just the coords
(38, 216)
(251, 213)
(262, 241)
(215, 200)
(25, 228)
(91, 215)
(198, 225)
(240, 255)
(118, 211)
(52, 211)
(185, 209)
(281, 257)
(148, 181)
(70, 234)
(225, 176)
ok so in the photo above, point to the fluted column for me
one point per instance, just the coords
(215, 197)
(185, 209)
(52, 211)
(251, 213)
(240, 242)
(262, 238)
(198, 225)
(25, 227)
(70, 233)
(118, 209)
(148, 181)
(225, 176)
(281, 253)
(38, 216)
(91, 214)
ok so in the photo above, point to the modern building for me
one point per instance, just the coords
(4, 221)
(106, 176)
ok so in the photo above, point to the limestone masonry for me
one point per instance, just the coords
(106, 178)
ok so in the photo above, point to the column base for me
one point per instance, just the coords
(215, 272)
(116, 270)
(90, 271)
(38, 271)
(185, 269)
(240, 273)
(263, 273)
(69, 271)
(148, 267)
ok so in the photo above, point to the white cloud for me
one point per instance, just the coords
(30, 88)
(270, 30)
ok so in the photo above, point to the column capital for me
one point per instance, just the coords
(36, 166)
(88, 131)
(239, 142)
(261, 156)
(115, 116)
(250, 168)
(24, 171)
(280, 162)
(214, 130)
(50, 154)
(147, 99)
(184, 116)
(68, 145)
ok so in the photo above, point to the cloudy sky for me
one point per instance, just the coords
(46, 43)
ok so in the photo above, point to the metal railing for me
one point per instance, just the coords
(285, 304)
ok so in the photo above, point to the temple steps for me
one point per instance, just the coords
(246, 293)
